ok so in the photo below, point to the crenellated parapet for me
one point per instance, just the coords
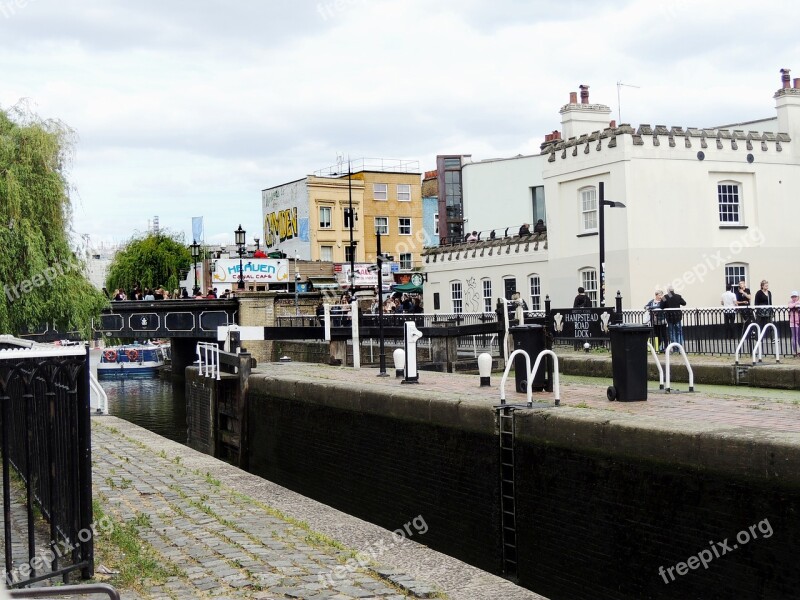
(500, 246)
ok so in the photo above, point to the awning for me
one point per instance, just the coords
(323, 283)
(408, 288)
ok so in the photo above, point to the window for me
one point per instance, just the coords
(588, 281)
(380, 191)
(509, 287)
(348, 253)
(729, 205)
(734, 273)
(452, 163)
(436, 224)
(405, 261)
(404, 225)
(535, 288)
(382, 225)
(539, 212)
(324, 217)
(455, 295)
(326, 253)
(588, 210)
(404, 192)
(487, 295)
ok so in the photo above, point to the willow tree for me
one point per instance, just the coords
(149, 261)
(43, 280)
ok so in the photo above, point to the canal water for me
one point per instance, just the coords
(155, 404)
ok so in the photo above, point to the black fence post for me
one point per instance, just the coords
(83, 406)
(618, 308)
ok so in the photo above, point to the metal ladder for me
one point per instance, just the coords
(508, 496)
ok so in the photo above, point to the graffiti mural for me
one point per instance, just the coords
(472, 301)
(280, 226)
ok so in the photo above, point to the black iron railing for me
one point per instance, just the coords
(46, 439)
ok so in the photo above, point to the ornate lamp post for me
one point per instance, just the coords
(602, 235)
(257, 240)
(240, 243)
(382, 351)
(195, 255)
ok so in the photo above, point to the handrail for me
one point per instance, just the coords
(758, 344)
(102, 404)
(556, 387)
(744, 337)
(509, 362)
(685, 360)
(208, 360)
(67, 590)
(658, 364)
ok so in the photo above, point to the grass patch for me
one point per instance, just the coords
(123, 551)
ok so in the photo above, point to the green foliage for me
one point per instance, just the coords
(149, 261)
(41, 277)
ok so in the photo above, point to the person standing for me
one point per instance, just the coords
(672, 303)
(794, 322)
(582, 300)
(763, 299)
(657, 320)
(743, 298)
(728, 302)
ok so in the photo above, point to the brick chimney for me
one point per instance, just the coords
(584, 118)
(796, 83)
(785, 78)
(584, 94)
(787, 106)
(573, 97)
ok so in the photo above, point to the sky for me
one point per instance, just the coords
(185, 109)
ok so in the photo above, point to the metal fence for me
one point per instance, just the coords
(46, 439)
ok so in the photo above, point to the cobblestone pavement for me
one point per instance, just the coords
(226, 545)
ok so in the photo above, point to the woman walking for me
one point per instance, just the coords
(794, 322)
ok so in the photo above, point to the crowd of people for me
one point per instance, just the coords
(159, 293)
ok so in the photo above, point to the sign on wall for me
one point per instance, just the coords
(226, 270)
(366, 274)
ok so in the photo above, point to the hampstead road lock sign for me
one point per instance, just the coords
(581, 323)
(226, 270)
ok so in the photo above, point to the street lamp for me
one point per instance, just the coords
(195, 255)
(296, 283)
(602, 234)
(257, 240)
(352, 218)
(240, 237)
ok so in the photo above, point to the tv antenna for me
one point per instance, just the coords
(619, 106)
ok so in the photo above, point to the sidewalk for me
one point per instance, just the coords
(229, 534)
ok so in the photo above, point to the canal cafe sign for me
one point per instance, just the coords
(255, 270)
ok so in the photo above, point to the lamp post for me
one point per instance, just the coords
(602, 235)
(296, 283)
(195, 255)
(381, 350)
(257, 240)
(240, 237)
(352, 218)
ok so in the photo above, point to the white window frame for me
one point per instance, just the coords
(535, 291)
(587, 207)
(322, 252)
(380, 191)
(736, 272)
(406, 261)
(382, 224)
(486, 287)
(729, 203)
(587, 279)
(457, 297)
(329, 210)
(405, 194)
(402, 226)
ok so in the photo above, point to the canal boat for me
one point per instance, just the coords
(131, 361)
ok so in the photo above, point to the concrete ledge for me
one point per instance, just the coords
(738, 452)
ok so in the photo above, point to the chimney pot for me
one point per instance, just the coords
(785, 78)
(584, 94)
(573, 97)
(612, 124)
(797, 83)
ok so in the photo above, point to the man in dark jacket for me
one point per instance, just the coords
(672, 303)
(582, 300)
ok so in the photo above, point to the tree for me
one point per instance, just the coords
(149, 261)
(43, 280)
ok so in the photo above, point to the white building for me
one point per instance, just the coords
(703, 207)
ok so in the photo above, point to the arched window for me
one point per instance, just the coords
(587, 278)
(486, 285)
(734, 273)
(535, 290)
(457, 297)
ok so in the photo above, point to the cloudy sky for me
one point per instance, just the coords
(186, 108)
